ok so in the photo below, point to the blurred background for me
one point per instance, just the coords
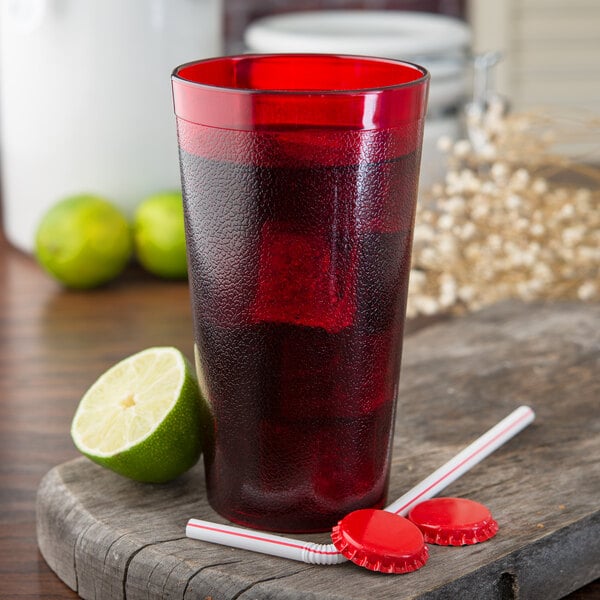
(240, 13)
(549, 47)
(85, 101)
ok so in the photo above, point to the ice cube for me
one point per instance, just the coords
(368, 378)
(383, 267)
(387, 192)
(353, 461)
(305, 278)
(324, 376)
(309, 367)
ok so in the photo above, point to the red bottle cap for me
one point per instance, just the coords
(453, 521)
(380, 541)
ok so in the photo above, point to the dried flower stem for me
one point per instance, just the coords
(511, 220)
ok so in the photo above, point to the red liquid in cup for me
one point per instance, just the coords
(299, 296)
(299, 209)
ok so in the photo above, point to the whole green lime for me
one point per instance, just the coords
(159, 235)
(83, 241)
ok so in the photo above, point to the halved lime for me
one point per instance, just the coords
(144, 418)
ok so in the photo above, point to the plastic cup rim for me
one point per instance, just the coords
(425, 75)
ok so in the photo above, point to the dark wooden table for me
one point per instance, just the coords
(54, 343)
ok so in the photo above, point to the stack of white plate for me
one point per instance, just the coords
(439, 43)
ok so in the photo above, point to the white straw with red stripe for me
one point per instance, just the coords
(327, 554)
(257, 541)
(465, 460)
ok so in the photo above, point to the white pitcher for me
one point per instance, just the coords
(85, 100)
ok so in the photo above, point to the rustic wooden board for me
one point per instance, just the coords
(108, 537)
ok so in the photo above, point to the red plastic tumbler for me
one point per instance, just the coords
(299, 177)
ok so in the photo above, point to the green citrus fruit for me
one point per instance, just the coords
(159, 235)
(144, 418)
(83, 241)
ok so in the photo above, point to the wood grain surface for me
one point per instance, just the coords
(108, 537)
(53, 345)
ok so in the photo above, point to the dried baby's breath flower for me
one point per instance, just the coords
(462, 148)
(444, 144)
(587, 291)
(514, 220)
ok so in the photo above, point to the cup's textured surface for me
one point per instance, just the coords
(299, 250)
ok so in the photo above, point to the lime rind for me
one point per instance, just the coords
(159, 235)
(84, 241)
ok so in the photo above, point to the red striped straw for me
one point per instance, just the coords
(327, 554)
